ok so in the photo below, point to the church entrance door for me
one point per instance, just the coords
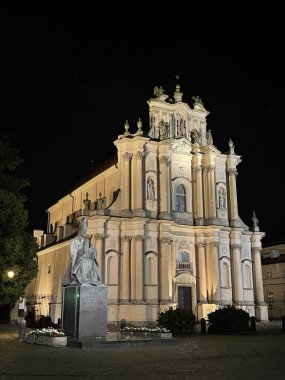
(184, 298)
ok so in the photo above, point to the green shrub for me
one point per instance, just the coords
(178, 321)
(228, 319)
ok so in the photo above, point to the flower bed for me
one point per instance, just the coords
(155, 331)
(47, 337)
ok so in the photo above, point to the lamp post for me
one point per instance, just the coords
(11, 274)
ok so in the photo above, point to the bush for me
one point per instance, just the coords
(178, 321)
(228, 319)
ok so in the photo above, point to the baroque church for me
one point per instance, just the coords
(163, 215)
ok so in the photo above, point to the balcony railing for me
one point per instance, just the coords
(183, 266)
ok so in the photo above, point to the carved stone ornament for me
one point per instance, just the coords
(139, 237)
(198, 169)
(166, 240)
(164, 160)
(235, 246)
(99, 236)
(201, 244)
(126, 238)
(210, 168)
(127, 156)
(184, 245)
(181, 146)
(232, 171)
(140, 155)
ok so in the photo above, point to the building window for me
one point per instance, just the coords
(270, 299)
(183, 261)
(269, 274)
(180, 197)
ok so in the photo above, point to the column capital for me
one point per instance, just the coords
(140, 155)
(232, 171)
(256, 249)
(166, 239)
(199, 169)
(127, 156)
(126, 238)
(99, 236)
(164, 160)
(139, 237)
(201, 244)
(214, 244)
(210, 168)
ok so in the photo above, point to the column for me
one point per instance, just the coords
(169, 265)
(258, 275)
(99, 248)
(137, 193)
(139, 293)
(164, 186)
(126, 181)
(202, 272)
(125, 295)
(233, 194)
(237, 274)
(199, 194)
(211, 191)
(164, 262)
(216, 288)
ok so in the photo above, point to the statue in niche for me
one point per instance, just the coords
(158, 91)
(150, 194)
(209, 137)
(195, 136)
(100, 202)
(87, 203)
(83, 267)
(221, 198)
(164, 130)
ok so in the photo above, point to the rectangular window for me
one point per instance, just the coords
(269, 274)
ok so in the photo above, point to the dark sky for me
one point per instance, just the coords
(70, 80)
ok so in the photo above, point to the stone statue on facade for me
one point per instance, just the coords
(195, 136)
(100, 202)
(87, 203)
(231, 146)
(158, 91)
(197, 100)
(209, 137)
(150, 188)
(255, 222)
(83, 267)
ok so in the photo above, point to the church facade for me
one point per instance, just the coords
(164, 220)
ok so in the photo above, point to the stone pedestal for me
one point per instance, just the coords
(261, 313)
(204, 309)
(84, 311)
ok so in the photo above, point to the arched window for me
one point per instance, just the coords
(180, 198)
(270, 299)
(182, 260)
(225, 280)
(247, 277)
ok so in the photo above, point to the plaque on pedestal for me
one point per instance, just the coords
(84, 312)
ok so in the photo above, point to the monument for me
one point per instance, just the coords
(84, 311)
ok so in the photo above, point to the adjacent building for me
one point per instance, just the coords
(273, 269)
(163, 215)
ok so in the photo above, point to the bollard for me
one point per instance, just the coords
(253, 323)
(22, 329)
(203, 326)
(283, 322)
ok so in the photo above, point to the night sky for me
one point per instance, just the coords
(70, 79)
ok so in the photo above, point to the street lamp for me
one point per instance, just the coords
(10, 274)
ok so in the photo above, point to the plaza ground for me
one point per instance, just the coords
(255, 356)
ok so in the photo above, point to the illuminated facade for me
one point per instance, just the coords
(164, 221)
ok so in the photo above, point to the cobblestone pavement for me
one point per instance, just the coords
(254, 356)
